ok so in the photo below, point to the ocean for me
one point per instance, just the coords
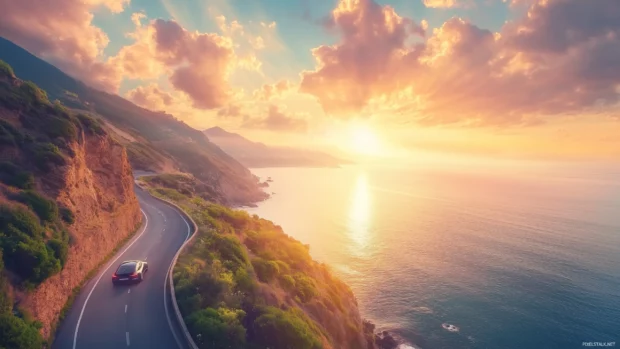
(459, 257)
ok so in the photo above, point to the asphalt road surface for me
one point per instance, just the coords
(138, 316)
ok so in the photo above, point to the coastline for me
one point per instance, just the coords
(385, 338)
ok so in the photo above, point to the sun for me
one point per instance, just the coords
(363, 140)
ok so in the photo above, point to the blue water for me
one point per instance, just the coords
(514, 260)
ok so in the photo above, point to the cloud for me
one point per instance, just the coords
(197, 64)
(269, 91)
(277, 120)
(356, 69)
(563, 57)
(231, 110)
(441, 3)
(62, 31)
(150, 97)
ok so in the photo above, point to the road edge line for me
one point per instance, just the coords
(77, 326)
(175, 305)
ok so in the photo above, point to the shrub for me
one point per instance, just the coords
(67, 215)
(46, 209)
(305, 287)
(218, 329)
(90, 124)
(60, 249)
(31, 259)
(229, 249)
(287, 282)
(278, 329)
(59, 127)
(24, 251)
(170, 193)
(13, 176)
(45, 154)
(244, 281)
(21, 219)
(33, 94)
(265, 270)
(6, 69)
(18, 333)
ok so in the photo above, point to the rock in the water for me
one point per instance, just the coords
(384, 340)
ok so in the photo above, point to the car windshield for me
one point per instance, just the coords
(126, 268)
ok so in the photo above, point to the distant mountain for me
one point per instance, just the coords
(155, 141)
(256, 154)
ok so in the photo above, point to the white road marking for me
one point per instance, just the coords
(77, 326)
(129, 290)
(176, 338)
(127, 337)
(125, 308)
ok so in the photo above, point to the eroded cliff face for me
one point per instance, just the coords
(97, 185)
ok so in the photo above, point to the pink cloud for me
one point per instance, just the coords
(150, 97)
(350, 73)
(563, 57)
(277, 120)
(62, 31)
(269, 91)
(197, 64)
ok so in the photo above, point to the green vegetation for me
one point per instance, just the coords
(184, 184)
(24, 246)
(218, 329)
(244, 283)
(279, 329)
(16, 330)
(6, 70)
(46, 209)
(12, 175)
(67, 215)
(35, 137)
(90, 124)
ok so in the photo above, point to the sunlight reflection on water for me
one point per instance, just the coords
(360, 216)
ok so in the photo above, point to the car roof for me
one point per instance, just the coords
(130, 262)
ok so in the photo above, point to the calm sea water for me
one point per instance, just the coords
(515, 261)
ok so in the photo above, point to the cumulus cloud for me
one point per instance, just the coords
(563, 57)
(269, 91)
(197, 64)
(277, 120)
(150, 97)
(351, 72)
(62, 31)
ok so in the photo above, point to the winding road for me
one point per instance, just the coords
(136, 316)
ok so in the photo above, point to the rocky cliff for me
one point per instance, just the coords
(69, 165)
(98, 186)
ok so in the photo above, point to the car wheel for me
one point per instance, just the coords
(141, 277)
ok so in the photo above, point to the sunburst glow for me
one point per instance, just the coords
(363, 140)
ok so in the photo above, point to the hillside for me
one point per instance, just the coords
(66, 201)
(255, 154)
(244, 283)
(155, 141)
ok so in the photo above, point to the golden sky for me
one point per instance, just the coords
(501, 78)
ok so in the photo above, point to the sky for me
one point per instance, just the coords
(534, 79)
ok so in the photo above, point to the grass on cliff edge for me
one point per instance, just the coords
(243, 283)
